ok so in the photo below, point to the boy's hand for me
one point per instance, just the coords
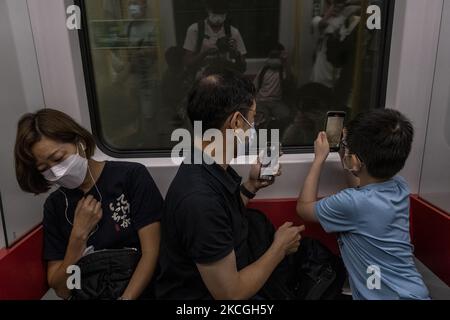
(322, 147)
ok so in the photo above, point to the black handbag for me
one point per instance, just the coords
(313, 273)
(105, 274)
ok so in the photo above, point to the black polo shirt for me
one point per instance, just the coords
(130, 202)
(204, 220)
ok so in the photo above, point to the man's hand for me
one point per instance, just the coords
(233, 44)
(254, 183)
(287, 238)
(322, 147)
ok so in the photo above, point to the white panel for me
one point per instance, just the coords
(294, 167)
(48, 20)
(20, 92)
(411, 70)
(435, 183)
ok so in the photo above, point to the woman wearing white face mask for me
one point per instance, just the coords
(99, 205)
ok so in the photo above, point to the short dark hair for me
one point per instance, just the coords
(217, 6)
(217, 96)
(31, 129)
(382, 139)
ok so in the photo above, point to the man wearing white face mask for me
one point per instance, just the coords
(98, 205)
(205, 251)
(202, 39)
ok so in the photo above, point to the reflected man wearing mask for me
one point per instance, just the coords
(98, 205)
(201, 43)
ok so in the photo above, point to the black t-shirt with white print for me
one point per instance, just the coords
(130, 202)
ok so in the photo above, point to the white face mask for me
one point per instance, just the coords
(246, 145)
(70, 173)
(217, 19)
(134, 10)
(347, 163)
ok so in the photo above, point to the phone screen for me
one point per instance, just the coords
(335, 125)
(269, 162)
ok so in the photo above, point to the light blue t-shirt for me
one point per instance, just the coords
(372, 223)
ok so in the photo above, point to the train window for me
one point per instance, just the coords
(305, 58)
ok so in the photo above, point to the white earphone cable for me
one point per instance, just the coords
(67, 202)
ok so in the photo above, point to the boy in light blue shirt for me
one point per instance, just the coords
(372, 217)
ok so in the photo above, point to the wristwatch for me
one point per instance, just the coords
(250, 195)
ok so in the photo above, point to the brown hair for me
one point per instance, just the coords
(31, 129)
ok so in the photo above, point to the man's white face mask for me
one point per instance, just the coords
(217, 19)
(70, 173)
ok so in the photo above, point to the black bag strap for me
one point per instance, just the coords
(200, 35)
(227, 27)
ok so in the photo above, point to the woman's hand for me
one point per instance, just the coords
(87, 215)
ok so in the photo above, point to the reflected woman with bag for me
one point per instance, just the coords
(104, 217)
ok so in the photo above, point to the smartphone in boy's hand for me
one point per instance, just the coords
(334, 127)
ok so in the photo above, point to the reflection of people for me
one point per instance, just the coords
(204, 240)
(202, 39)
(139, 32)
(99, 205)
(372, 216)
(136, 63)
(334, 23)
(174, 84)
(313, 102)
(271, 85)
(141, 63)
(341, 53)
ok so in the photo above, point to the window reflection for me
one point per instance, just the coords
(305, 57)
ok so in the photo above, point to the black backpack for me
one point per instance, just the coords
(318, 274)
(313, 273)
(105, 274)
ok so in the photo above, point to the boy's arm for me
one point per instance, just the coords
(308, 197)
